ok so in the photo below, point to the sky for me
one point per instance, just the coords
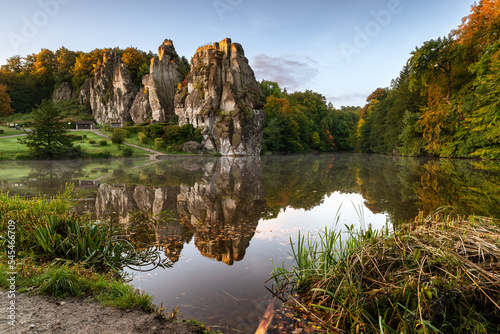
(341, 49)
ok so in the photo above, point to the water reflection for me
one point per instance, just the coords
(222, 219)
(221, 208)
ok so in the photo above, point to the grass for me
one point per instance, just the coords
(438, 274)
(62, 255)
(113, 149)
(8, 131)
(11, 149)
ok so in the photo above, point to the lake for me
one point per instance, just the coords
(222, 222)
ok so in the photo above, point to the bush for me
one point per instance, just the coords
(143, 139)
(159, 143)
(103, 142)
(84, 136)
(107, 128)
(156, 130)
(91, 141)
(127, 152)
(1, 131)
(136, 129)
(119, 135)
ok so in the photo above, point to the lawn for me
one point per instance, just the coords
(11, 149)
(9, 131)
(113, 149)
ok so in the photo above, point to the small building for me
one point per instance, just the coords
(115, 124)
(85, 125)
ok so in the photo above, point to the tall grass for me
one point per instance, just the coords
(47, 230)
(435, 274)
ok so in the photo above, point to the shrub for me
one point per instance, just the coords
(84, 136)
(91, 141)
(143, 139)
(136, 129)
(1, 131)
(103, 142)
(119, 135)
(127, 152)
(159, 143)
(156, 130)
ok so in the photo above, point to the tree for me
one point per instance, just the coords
(136, 62)
(47, 139)
(184, 67)
(5, 108)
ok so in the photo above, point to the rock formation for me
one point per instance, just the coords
(111, 91)
(156, 100)
(64, 91)
(222, 95)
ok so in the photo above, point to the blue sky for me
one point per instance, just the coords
(339, 48)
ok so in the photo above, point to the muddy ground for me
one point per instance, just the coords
(41, 314)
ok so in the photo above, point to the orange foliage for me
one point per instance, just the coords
(481, 28)
(5, 108)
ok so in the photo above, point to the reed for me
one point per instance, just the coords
(47, 230)
(438, 274)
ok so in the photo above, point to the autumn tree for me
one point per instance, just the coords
(137, 63)
(5, 108)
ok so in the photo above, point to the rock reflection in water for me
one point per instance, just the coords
(221, 209)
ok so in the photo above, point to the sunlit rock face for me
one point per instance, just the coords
(111, 91)
(222, 96)
(225, 208)
(156, 99)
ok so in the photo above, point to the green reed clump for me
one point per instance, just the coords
(48, 231)
(438, 274)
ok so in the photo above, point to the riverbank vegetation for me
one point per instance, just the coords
(438, 274)
(57, 253)
(62, 254)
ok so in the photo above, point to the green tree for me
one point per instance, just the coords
(47, 138)
(184, 67)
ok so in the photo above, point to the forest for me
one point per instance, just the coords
(444, 103)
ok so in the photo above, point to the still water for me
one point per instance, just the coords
(222, 222)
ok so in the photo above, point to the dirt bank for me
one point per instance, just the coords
(40, 314)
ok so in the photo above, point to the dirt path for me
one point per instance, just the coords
(40, 314)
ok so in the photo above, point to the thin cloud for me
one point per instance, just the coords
(346, 99)
(290, 71)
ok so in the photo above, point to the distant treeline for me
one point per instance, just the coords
(31, 79)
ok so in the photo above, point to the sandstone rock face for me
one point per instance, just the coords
(64, 91)
(111, 90)
(156, 100)
(222, 96)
